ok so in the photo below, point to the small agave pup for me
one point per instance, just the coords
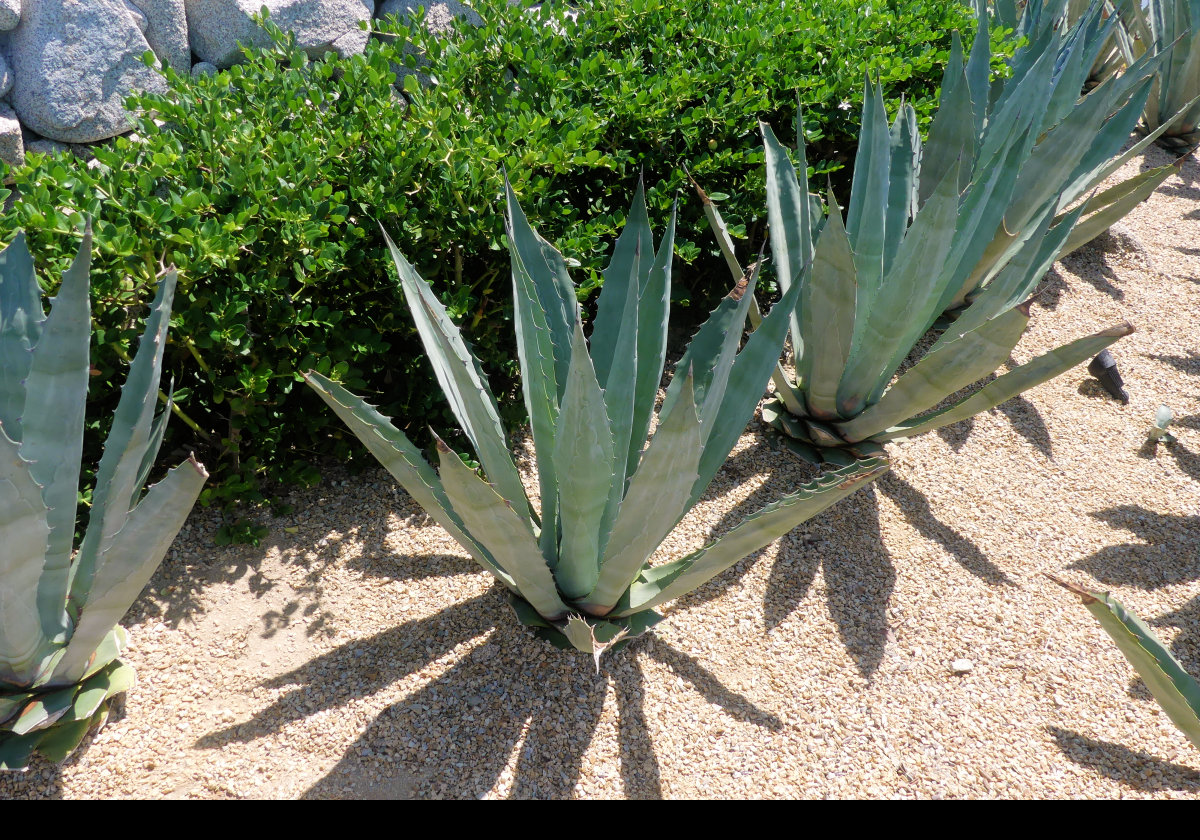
(59, 639)
(578, 570)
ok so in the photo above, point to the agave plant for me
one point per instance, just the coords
(1109, 60)
(577, 566)
(1176, 691)
(59, 639)
(1155, 27)
(1028, 147)
(872, 285)
(966, 223)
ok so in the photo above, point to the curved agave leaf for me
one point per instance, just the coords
(45, 710)
(111, 681)
(943, 371)
(540, 389)
(658, 497)
(1175, 690)
(788, 218)
(509, 539)
(24, 532)
(905, 306)
(548, 271)
(127, 444)
(653, 312)
(671, 580)
(462, 381)
(21, 319)
(1019, 379)
(745, 385)
(52, 425)
(951, 137)
(125, 565)
(786, 392)
(392, 448)
(902, 199)
(827, 316)
(60, 741)
(15, 750)
(583, 461)
(867, 217)
(1109, 207)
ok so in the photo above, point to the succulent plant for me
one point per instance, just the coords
(59, 639)
(964, 225)
(1176, 691)
(577, 567)
(871, 287)
(1032, 146)
(1109, 60)
(1163, 418)
(1155, 27)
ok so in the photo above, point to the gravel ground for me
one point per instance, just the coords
(358, 653)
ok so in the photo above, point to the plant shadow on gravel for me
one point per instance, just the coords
(1166, 555)
(457, 736)
(175, 594)
(845, 543)
(1133, 768)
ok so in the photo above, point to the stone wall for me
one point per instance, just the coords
(66, 66)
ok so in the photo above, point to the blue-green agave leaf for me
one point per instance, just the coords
(943, 371)
(509, 539)
(1176, 691)
(654, 309)
(583, 459)
(24, 532)
(1019, 379)
(462, 382)
(21, 319)
(125, 565)
(52, 427)
(127, 444)
(535, 350)
(827, 315)
(671, 580)
(867, 218)
(746, 382)
(789, 218)
(657, 499)
(555, 292)
(392, 448)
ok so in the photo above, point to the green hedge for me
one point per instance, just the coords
(265, 185)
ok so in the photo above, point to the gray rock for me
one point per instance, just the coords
(48, 147)
(12, 145)
(203, 68)
(167, 31)
(216, 27)
(138, 16)
(10, 14)
(438, 15)
(438, 18)
(6, 76)
(352, 43)
(75, 62)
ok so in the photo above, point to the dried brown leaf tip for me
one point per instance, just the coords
(740, 289)
(1088, 597)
